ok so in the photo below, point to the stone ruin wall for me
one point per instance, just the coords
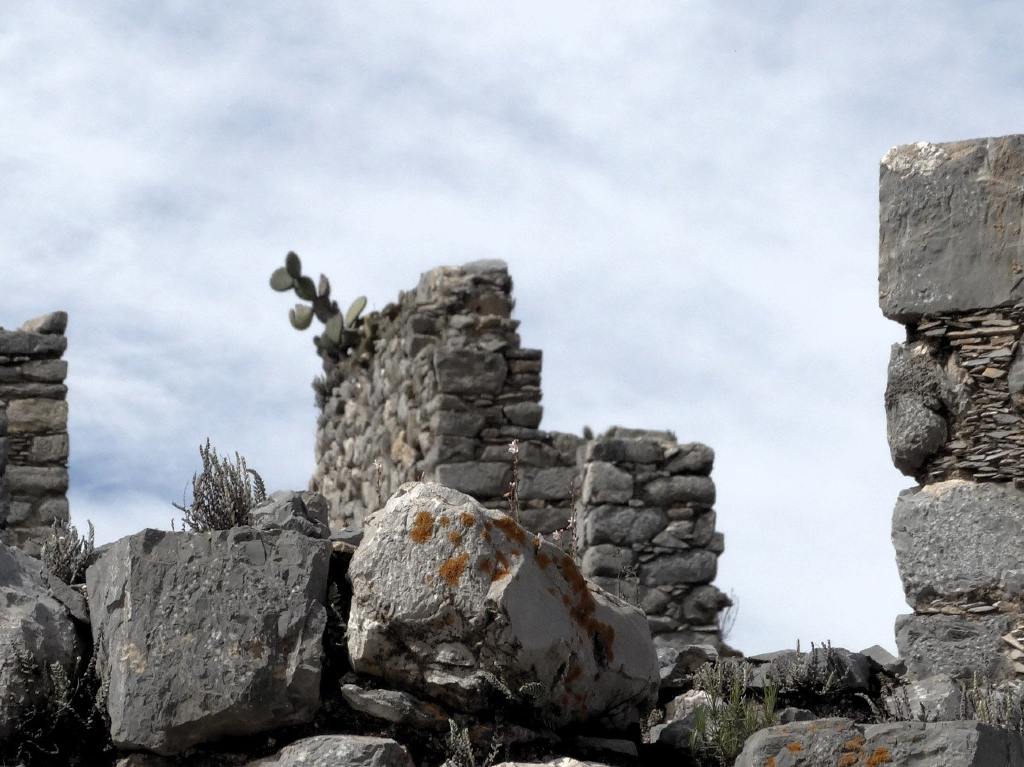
(951, 270)
(447, 390)
(33, 431)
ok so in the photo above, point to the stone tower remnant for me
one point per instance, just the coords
(449, 395)
(951, 270)
(33, 431)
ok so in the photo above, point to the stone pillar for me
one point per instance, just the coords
(951, 270)
(34, 437)
(646, 531)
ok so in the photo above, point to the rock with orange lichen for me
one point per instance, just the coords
(459, 603)
(841, 743)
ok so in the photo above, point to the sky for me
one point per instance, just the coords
(686, 194)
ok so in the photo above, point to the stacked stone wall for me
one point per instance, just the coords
(448, 394)
(646, 530)
(952, 272)
(33, 431)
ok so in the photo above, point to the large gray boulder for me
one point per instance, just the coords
(337, 750)
(304, 512)
(814, 743)
(957, 537)
(832, 742)
(950, 227)
(954, 645)
(950, 744)
(918, 397)
(207, 635)
(34, 627)
(459, 603)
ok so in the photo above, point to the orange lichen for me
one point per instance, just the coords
(879, 756)
(455, 537)
(854, 743)
(501, 568)
(451, 570)
(847, 760)
(422, 527)
(467, 519)
(574, 673)
(443, 521)
(511, 529)
(794, 747)
(543, 559)
(769, 762)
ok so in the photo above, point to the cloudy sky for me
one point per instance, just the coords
(686, 193)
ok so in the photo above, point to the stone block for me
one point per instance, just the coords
(53, 323)
(37, 416)
(15, 343)
(692, 566)
(49, 449)
(625, 450)
(526, 414)
(335, 750)
(949, 744)
(457, 423)
(606, 483)
(44, 371)
(950, 227)
(957, 537)
(36, 480)
(205, 636)
(27, 390)
(690, 458)
(545, 519)
(468, 371)
(954, 645)
(607, 560)
(666, 491)
(52, 509)
(546, 484)
(480, 480)
(621, 525)
(446, 448)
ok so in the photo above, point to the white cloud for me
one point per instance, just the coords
(686, 194)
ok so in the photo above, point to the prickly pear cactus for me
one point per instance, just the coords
(342, 333)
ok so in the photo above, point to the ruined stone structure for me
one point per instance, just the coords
(952, 271)
(448, 394)
(33, 431)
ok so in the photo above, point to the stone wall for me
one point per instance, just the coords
(646, 530)
(952, 271)
(448, 394)
(33, 431)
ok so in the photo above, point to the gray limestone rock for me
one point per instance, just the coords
(480, 480)
(52, 323)
(918, 399)
(36, 416)
(396, 707)
(949, 744)
(607, 559)
(336, 750)
(815, 743)
(691, 566)
(625, 450)
(208, 635)
(939, 697)
(36, 479)
(679, 664)
(33, 625)
(469, 371)
(690, 458)
(954, 645)
(951, 226)
(553, 483)
(953, 538)
(667, 491)
(18, 343)
(562, 761)
(458, 603)
(621, 525)
(302, 511)
(604, 482)
(526, 414)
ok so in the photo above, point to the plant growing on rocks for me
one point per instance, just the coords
(66, 554)
(722, 726)
(812, 674)
(342, 332)
(223, 493)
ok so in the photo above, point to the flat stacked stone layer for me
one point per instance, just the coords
(952, 271)
(33, 431)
